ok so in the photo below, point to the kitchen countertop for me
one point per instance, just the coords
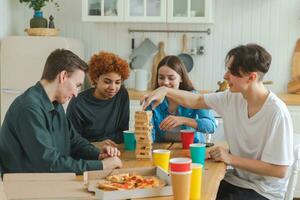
(289, 99)
(136, 95)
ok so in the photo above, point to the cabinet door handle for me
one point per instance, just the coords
(11, 91)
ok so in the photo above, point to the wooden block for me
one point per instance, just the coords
(144, 134)
(143, 129)
(143, 139)
(143, 113)
(142, 119)
(144, 148)
(143, 154)
(143, 116)
(143, 124)
(144, 145)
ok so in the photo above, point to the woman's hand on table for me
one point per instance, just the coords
(111, 163)
(171, 122)
(219, 154)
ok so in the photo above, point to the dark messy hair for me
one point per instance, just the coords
(60, 60)
(249, 58)
(177, 65)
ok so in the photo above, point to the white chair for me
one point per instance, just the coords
(295, 169)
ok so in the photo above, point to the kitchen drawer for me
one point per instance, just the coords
(295, 114)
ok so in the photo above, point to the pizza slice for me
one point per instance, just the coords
(118, 178)
(129, 181)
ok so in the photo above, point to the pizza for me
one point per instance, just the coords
(128, 181)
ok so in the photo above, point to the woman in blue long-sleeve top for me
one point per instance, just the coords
(169, 118)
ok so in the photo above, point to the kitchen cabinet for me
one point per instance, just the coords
(145, 10)
(160, 11)
(293, 103)
(190, 11)
(103, 10)
(295, 114)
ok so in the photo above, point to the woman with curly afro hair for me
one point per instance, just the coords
(101, 113)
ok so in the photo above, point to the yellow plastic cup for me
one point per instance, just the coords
(196, 180)
(161, 158)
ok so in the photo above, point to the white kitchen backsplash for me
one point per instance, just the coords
(272, 23)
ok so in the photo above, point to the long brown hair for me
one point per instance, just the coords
(177, 65)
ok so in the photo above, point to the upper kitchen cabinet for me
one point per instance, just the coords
(159, 11)
(190, 11)
(145, 10)
(103, 10)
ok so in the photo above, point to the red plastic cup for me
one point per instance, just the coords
(180, 164)
(187, 138)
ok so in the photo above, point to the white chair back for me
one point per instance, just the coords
(295, 169)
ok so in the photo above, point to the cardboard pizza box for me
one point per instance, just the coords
(91, 178)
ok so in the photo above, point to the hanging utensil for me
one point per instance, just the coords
(157, 58)
(132, 43)
(184, 56)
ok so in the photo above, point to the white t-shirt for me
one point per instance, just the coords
(266, 136)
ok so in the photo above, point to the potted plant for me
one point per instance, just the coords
(38, 21)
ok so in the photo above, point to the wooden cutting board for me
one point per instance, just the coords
(294, 84)
(156, 59)
(296, 61)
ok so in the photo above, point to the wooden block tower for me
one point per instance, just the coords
(143, 134)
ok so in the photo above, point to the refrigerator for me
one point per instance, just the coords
(22, 59)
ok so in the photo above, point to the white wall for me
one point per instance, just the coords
(272, 23)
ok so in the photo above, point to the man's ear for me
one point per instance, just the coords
(62, 76)
(253, 76)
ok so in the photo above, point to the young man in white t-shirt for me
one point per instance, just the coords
(257, 127)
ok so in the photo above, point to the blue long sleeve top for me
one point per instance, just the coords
(206, 123)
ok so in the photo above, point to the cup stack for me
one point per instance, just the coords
(181, 174)
(143, 134)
